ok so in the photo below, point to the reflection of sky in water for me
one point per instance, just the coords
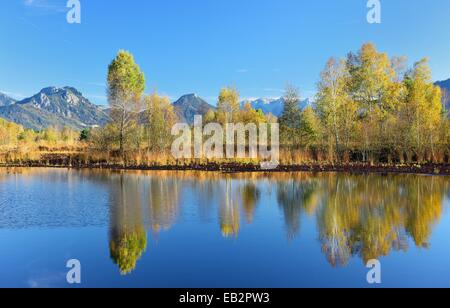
(184, 229)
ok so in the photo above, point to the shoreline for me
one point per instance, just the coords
(352, 168)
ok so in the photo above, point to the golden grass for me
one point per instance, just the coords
(80, 154)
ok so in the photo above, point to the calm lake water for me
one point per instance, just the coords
(194, 229)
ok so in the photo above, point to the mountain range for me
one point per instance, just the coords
(67, 106)
(190, 105)
(60, 107)
(53, 106)
(6, 100)
(445, 86)
(275, 106)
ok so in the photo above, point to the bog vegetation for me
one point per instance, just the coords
(369, 108)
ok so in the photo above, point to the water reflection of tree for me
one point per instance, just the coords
(128, 239)
(250, 195)
(229, 212)
(363, 215)
(366, 216)
(371, 215)
(163, 202)
(295, 197)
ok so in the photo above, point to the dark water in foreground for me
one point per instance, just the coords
(186, 229)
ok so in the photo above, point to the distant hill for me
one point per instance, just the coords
(55, 107)
(5, 100)
(445, 86)
(274, 106)
(189, 106)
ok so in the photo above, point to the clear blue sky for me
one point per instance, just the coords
(198, 46)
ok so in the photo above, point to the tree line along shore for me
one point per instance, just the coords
(372, 112)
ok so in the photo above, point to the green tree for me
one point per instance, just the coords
(228, 106)
(27, 136)
(9, 133)
(423, 111)
(50, 135)
(103, 139)
(372, 86)
(335, 107)
(310, 128)
(126, 84)
(210, 117)
(68, 135)
(84, 134)
(160, 119)
(291, 118)
(250, 115)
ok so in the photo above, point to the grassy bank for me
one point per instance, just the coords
(73, 158)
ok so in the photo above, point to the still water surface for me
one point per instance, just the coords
(194, 229)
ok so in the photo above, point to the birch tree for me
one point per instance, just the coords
(126, 84)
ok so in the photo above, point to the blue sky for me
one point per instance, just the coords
(199, 46)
